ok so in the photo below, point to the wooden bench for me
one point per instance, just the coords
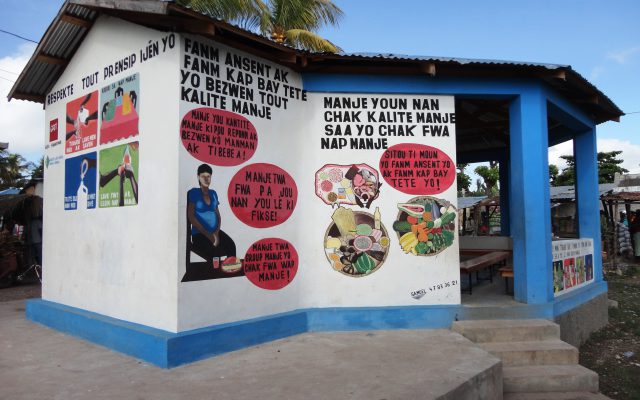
(482, 262)
(506, 272)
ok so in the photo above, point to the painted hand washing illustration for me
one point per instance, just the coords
(121, 162)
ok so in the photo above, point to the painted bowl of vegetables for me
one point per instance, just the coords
(360, 251)
(425, 225)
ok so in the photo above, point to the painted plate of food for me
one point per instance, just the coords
(425, 225)
(353, 184)
(356, 243)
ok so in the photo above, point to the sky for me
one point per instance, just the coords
(599, 39)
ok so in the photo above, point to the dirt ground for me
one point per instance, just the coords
(614, 351)
(21, 291)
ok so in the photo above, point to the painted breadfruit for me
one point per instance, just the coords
(414, 210)
(364, 263)
(401, 226)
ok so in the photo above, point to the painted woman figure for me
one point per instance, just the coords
(208, 240)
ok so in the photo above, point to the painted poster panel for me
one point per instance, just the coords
(119, 175)
(119, 109)
(404, 146)
(229, 106)
(572, 264)
(82, 123)
(80, 182)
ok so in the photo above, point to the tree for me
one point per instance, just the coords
(294, 22)
(553, 174)
(490, 176)
(290, 22)
(38, 170)
(464, 180)
(608, 165)
(14, 170)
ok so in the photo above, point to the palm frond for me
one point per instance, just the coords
(244, 13)
(307, 40)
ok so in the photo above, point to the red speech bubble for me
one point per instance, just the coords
(417, 169)
(218, 137)
(262, 195)
(271, 263)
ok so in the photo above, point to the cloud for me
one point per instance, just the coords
(596, 72)
(623, 56)
(630, 153)
(21, 122)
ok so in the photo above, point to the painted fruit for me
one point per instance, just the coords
(362, 243)
(415, 210)
(365, 264)
(364, 229)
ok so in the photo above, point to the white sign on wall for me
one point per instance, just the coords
(572, 264)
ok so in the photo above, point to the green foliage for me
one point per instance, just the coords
(608, 165)
(490, 176)
(291, 22)
(14, 170)
(464, 180)
(553, 174)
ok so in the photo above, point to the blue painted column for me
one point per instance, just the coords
(505, 225)
(530, 212)
(588, 195)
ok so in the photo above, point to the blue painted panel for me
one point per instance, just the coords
(353, 319)
(575, 298)
(135, 340)
(588, 195)
(530, 214)
(198, 344)
(465, 87)
(567, 113)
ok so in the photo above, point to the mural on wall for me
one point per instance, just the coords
(410, 139)
(356, 243)
(354, 184)
(425, 225)
(218, 137)
(205, 237)
(118, 175)
(262, 195)
(80, 182)
(417, 169)
(271, 263)
(82, 123)
(223, 93)
(572, 264)
(119, 109)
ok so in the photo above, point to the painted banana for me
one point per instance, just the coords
(408, 242)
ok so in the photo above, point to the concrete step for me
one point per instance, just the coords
(508, 330)
(556, 396)
(548, 378)
(553, 352)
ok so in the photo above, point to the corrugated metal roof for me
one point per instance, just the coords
(558, 193)
(75, 18)
(462, 61)
(466, 202)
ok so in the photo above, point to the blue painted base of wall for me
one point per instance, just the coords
(165, 349)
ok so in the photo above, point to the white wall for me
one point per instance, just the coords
(128, 262)
(108, 260)
(291, 140)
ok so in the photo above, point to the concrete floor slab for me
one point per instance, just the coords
(39, 363)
